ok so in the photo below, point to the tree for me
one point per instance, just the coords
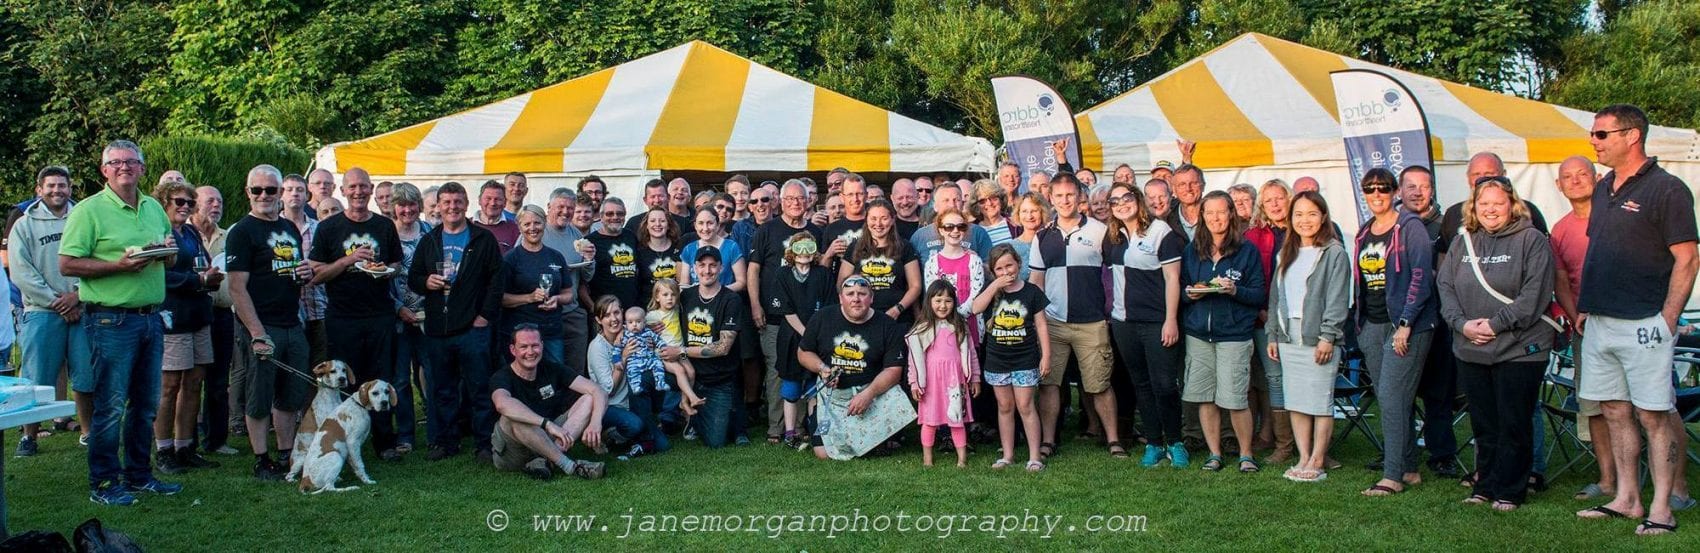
(21, 95)
(1648, 56)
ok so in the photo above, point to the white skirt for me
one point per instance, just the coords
(1308, 387)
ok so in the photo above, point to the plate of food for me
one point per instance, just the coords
(151, 251)
(1212, 286)
(374, 268)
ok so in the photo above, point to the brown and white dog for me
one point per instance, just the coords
(330, 377)
(340, 437)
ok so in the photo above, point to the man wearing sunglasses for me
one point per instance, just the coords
(1636, 279)
(924, 196)
(121, 293)
(1483, 165)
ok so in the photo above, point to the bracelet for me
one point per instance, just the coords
(544, 425)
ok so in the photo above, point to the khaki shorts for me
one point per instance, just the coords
(1217, 372)
(508, 454)
(185, 351)
(1628, 360)
(1090, 343)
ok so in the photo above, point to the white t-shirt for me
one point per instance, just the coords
(601, 371)
(1293, 280)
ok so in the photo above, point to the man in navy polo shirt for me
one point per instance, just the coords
(1636, 279)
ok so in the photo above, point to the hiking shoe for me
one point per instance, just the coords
(110, 493)
(27, 447)
(589, 470)
(1178, 457)
(154, 485)
(187, 457)
(438, 453)
(269, 470)
(1154, 454)
(166, 461)
(538, 469)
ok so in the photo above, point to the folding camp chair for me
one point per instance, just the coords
(1686, 374)
(1354, 394)
(1559, 405)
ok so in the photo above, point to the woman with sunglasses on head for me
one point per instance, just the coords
(188, 335)
(1145, 270)
(1395, 319)
(1502, 344)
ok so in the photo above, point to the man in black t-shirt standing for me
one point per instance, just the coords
(842, 234)
(545, 408)
(865, 345)
(360, 312)
(267, 270)
(616, 257)
(708, 318)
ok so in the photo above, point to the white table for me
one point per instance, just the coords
(41, 412)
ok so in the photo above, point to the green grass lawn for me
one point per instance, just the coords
(420, 505)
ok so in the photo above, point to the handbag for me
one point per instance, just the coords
(1476, 267)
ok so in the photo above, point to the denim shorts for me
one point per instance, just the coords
(793, 390)
(1024, 378)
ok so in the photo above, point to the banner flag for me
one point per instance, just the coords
(1033, 116)
(1382, 124)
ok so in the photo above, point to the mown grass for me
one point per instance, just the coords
(424, 506)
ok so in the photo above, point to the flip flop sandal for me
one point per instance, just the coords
(1047, 449)
(1249, 465)
(1117, 451)
(1650, 528)
(1504, 506)
(1468, 481)
(1475, 500)
(1380, 490)
(1604, 511)
(1292, 474)
(1035, 466)
(1213, 464)
(1001, 464)
(1591, 491)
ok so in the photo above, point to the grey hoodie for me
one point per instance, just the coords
(35, 256)
(1517, 262)
(1327, 299)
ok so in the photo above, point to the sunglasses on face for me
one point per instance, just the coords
(923, 191)
(1123, 199)
(1378, 188)
(1601, 135)
(953, 227)
(761, 200)
(263, 190)
(183, 202)
(615, 214)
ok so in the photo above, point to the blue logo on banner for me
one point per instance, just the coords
(1391, 98)
(1047, 103)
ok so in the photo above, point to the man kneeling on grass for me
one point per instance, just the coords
(544, 409)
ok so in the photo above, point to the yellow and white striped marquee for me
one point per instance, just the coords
(693, 107)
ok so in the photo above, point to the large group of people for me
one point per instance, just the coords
(1217, 320)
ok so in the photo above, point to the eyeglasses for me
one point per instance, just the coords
(116, 163)
(263, 190)
(183, 202)
(954, 227)
(1601, 135)
(615, 214)
(1378, 188)
(761, 200)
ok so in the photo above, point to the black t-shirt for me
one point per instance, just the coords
(1012, 335)
(1627, 271)
(701, 322)
(634, 225)
(656, 265)
(801, 298)
(1372, 276)
(886, 274)
(767, 247)
(850, 230)
(616, 267)
(906, 229)
(549, 394)
(524, 271)
(354, 293)
(862, 351)
(268, 251)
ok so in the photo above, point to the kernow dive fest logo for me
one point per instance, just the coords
(1029, 116)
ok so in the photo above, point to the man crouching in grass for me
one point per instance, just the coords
(544, 408)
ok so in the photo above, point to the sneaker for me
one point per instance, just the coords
(636, 451)
(589, 470)
(538, 469)
(485, 457)
(27, 447)
(189, 458)
(268, 470)
(110, 493)
(166, 461)
(1446, 468)
(438, 453)
(83, 440)
(742, 440)
(154, 485)
(790, 439)
(1154, 454)
(690, 433)
(404, 448)
(1178, 456)
(225, 450)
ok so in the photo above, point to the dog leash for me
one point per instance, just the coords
(307, 377)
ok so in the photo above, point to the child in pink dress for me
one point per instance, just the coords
(943, 371)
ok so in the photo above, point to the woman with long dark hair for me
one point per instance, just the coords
(1144, 256)
(1309, 298)
(893, 271)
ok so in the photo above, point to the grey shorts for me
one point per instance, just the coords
(187, 350)
(508, 454)
(1628, 360)
(1217, 372)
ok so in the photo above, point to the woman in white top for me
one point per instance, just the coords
(1308, 305)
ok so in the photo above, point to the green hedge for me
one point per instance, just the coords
(220, 161)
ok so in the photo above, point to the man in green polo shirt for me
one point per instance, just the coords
(120, 292)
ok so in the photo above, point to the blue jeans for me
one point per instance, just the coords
(409, 349)
(633, 429)
(459, 367)
(720, 400)
(48, 343)
(127, 349)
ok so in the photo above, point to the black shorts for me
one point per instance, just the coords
(270, 386)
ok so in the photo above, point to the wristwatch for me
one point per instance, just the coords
(1404, 323)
